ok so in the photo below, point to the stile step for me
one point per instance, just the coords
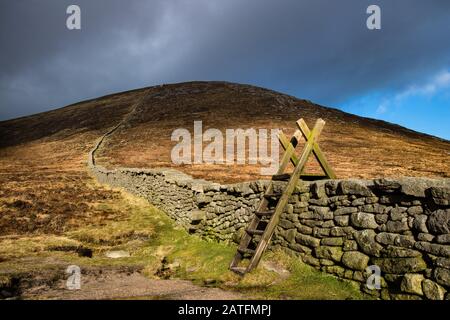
(265, 213)
(254, 232)
(246, 251)
(264, 208)
(313, 177)
(238, 270)
(273, 195)
(281, 177)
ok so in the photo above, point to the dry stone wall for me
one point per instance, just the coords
(338, 226)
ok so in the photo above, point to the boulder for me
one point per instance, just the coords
(359, 276)
(443, 238)
(307, 240)
(350, 245)
(354, 187)
(337, 270)
(442, 276)
(399, 252)
(299, 248)
(412, 283)
(355, 260)
(345, 210)
(196, 216)
(406, 297)
(381, 218)
(290, 235)
(405, 241)
(415, 210)
(414, 186)
(331, 187)
(325, 252)
(211, 186)
(387, 185)
(321, 213)
(420, 223)
(311, 260)
(341, 221)
(301, 187)
(439, 222)
(398, 213)
(286, 224)
(432, 290)
(321, 232)
(366, 241)
(433, 248)
(443, 263)
(333, 241)
(319, 202)
(304, 229)
(393, 279)
(411, 186)
(425, 237)
(318, 189)
(358, 202)
(400, 265)
(397, 226)
(202, 199)
(326, 262)
(341, 231)
(289, 208)
(363, 220)
(440, 195)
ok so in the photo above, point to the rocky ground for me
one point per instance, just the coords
(128, 285)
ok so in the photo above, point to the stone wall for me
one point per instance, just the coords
(337, 226)
(209, 209)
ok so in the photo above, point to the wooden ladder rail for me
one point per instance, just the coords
(323, 162)
(321, 159)
(270, 228)
(247, 238)
(289, 156)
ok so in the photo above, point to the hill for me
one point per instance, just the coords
(45, 186)
(355, 146)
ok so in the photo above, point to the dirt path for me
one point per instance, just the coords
(113, 285)
(98, 144)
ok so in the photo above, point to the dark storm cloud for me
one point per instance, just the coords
(320, 50)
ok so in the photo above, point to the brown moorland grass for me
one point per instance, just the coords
(44, 184)
(356, 147)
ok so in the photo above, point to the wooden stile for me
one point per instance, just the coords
(257, 223)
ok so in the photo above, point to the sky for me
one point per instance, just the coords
(313, 49)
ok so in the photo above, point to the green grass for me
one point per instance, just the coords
(304, 282)
(151, 237)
